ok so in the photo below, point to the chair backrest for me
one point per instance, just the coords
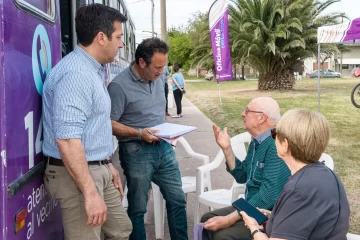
(239, 149)
(238, 145)
(327, 160)
(184, 143)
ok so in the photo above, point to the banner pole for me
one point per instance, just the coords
(221, 105)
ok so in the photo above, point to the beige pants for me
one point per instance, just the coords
(61, 186)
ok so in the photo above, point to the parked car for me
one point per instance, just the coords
(355, 72)
(328, 73)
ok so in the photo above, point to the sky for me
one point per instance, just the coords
(180, 11)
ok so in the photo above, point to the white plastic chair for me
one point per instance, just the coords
(351, 236)
(188, 185)
(220, 198)
(327, 160)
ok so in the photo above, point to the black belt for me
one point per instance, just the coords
(155, 143)
(60, 163)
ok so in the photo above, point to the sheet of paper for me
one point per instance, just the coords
(171, 130)
(169, 140)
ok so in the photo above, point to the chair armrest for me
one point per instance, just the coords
(214, 164)
(203, 173)
(200, 182)
(236, 190)
(199, 156)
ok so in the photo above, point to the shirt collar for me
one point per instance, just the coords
(133, 73)
(262, 136)
(95, 64)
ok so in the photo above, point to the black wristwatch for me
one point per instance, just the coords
(254, 232)
(108, 161)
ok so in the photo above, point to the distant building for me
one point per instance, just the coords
(350, 60)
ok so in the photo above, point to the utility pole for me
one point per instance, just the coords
(152, 17)
(341, 54)
(163, 20)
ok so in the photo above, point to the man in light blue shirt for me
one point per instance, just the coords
(77, 131)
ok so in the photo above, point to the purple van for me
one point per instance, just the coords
(35, 34)
(30, 47)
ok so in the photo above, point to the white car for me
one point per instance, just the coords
(333, 72)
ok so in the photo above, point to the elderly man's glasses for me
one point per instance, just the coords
(247, 110)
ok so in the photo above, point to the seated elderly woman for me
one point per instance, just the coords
(313, 203)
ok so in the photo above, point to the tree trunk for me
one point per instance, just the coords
(276, 80)
(243, 72)
(234, 77)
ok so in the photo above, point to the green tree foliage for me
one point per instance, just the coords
(180, 47)
(273, 36)
(199, 34)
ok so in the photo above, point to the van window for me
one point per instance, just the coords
(44, 9)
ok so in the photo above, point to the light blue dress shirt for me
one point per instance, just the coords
(76, 105)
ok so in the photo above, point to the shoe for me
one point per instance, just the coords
(176, 116)
(167, 114)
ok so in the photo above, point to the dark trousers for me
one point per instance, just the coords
(142, 164)
(178, 97)
(236, 231)
(166, 95)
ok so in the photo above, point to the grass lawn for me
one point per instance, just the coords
(335, 104)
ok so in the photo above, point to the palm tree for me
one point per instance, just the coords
(272, 36)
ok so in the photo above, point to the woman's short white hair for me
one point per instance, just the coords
(307, 133)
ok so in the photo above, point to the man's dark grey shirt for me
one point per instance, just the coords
(308, 207)
(137, 103)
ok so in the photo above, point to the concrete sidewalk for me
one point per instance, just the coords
(202, 141)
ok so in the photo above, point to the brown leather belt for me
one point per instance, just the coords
(60, 163)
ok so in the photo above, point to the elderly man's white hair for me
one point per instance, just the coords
(269, 106)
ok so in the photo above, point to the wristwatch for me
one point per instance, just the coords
(254, 232)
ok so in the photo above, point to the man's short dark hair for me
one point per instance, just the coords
(94, 18)
(148, 47)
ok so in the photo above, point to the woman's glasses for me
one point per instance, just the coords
(273, 133)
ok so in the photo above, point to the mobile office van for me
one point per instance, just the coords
(34, 34)
(29, 47)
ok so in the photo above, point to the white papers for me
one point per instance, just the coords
(170, 131)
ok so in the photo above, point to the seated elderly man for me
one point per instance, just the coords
(263, 172)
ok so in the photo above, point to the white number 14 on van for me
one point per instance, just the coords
(29, 125)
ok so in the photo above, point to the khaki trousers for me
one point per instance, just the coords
(61, 186)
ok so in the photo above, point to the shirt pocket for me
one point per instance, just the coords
(258, 172)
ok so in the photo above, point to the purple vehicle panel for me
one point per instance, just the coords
(30, 47)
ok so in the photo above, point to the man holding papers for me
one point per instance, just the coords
(137, 104)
